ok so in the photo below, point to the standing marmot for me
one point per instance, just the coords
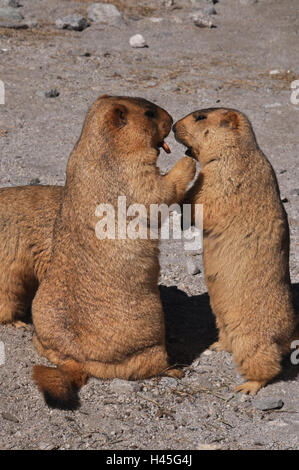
(246, 242)
(98, 310)
(27, 216)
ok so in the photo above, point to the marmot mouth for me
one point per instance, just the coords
(164, 146)
(189, 152)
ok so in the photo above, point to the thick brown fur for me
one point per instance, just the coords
(98, 305)
(246, 242)
(27, 216)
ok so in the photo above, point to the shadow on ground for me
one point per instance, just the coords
(190, 327)
(189, 323)
(289, 370)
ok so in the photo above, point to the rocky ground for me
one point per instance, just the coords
(51, 76)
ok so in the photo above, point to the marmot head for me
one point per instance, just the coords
(130, 126)
(210, 133)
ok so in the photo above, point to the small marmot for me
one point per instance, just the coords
(98, 311)
(245, 241)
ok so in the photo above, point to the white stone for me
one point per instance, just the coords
(201, 20)
(137, 41)
(153, 19)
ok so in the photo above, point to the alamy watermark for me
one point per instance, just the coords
(295, 354)
(2, 353)
(2, 92)
(295, 93)
(157, 221)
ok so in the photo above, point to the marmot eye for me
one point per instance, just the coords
(200, 117)
(150, 113)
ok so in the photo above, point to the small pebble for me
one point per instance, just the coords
(9, 417)
(295, 192)
(209, 11)
(124, 386)
(207, 352)
(168, 3)
(34, 182)
(209, 447)
(193, 265)
(268, 404)
(248, 2)
(274, 72)
(137, 41)
(156, 20)
(46, 446)
(168, 382)
(52, 93)
(73, 22)
(201, 20)
(272, 105)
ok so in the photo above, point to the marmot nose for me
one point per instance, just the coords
(174, 128)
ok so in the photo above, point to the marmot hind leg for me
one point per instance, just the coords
(17, 289)
(258, 368)
(13, 308)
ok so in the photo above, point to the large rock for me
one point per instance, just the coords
(104, 13)
(10, 3)
(10, 13)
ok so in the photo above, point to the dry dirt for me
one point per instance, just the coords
(184, 68)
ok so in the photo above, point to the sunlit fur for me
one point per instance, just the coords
(98, 311)
(27, 216)
(246, 242)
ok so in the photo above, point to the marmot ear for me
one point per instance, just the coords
(104, 96)
(118, 115)
(231, 120)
